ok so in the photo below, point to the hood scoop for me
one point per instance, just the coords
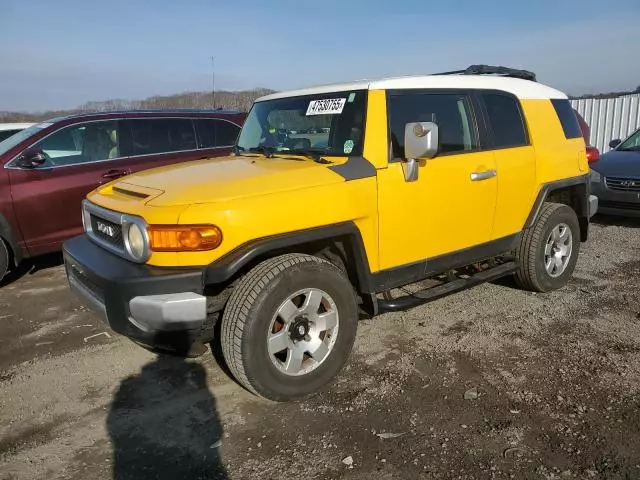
(130, 193)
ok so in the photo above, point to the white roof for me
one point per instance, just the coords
(14, 126)
(523, 89)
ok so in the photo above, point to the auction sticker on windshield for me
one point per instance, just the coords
(329, 106)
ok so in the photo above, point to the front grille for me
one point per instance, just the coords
(623, 184)
(621, 205)
(86, 281)
(107, 231)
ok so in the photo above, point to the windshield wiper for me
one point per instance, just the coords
(313, 154)
(270, 152)
(261, 150)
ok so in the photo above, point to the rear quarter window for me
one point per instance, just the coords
(506, 120)
(216, 133)
(226, 133)
(567, 118)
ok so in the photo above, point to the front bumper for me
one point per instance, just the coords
(615, 202)
(157, 307)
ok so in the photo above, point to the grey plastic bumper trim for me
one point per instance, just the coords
(172, 311)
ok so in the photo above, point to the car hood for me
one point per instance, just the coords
(224, 179)
(618, 164)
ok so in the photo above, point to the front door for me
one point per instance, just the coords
(47, 200)
(451, 206)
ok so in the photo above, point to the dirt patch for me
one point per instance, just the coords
(30, 437)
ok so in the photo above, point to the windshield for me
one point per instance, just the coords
(14, 140)
(330, 124)
(632, 143)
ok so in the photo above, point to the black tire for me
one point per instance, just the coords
(251, 309)
(4, 259)
(532, 274)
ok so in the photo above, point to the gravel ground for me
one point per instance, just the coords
(488, 383)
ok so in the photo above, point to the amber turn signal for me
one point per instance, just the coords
(184, 238)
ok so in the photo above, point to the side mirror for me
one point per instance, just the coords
(420, 141)
(615, 143)
(32, 159)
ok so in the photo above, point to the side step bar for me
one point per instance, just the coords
(423, 296)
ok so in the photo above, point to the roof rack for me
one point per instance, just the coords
(492, 70)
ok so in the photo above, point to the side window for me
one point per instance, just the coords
(506, 120)
(101, 141)
(451, 111)
(89, 142)
(567, 117)
(206, 132)
(216, 133)
(164, 135)
(182, 135)
(226, 133)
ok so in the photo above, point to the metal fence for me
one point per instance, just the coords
(609, 118)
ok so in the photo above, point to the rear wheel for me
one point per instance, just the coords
(548, 251)
(289, 326)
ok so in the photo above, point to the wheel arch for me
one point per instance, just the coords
(573, 192)
(8, 237)
(340, 243)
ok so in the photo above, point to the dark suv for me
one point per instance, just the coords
(48, 168)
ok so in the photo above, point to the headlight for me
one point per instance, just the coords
(136, 241)
(595, 176)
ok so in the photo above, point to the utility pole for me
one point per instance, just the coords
(213, 83)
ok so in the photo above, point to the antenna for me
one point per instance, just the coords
(213, 83)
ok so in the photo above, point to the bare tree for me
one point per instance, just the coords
(240, 101)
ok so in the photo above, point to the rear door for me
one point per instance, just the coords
(47, 199)
(515, 160)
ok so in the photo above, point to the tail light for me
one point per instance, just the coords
(593, 155)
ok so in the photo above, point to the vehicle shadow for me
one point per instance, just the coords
(163, 423)
(31, 266)
(616, 221)
(507, 282)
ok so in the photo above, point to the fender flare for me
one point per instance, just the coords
(583, 201)
(226, 267)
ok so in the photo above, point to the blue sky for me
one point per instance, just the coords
(58, 54)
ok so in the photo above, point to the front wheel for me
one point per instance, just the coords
(548, 251)
(289, 326)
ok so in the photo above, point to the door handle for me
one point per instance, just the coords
(477, 176)
(115, 174)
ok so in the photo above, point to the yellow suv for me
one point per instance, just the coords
(335, 196)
